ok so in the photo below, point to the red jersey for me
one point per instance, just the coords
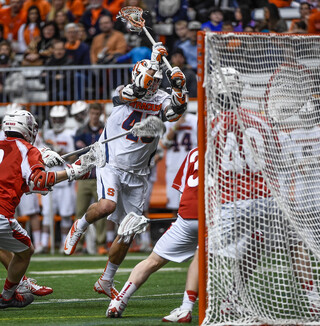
(239, 177)
(18, 160)
(186, 181)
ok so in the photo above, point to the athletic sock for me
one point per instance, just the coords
(36, 235)
(82, 223)
(45, 239)
(8, 289)
(126, 292)
(109, 271)
(189, 298)
(110, 236)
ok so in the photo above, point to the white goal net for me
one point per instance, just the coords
(262, 179)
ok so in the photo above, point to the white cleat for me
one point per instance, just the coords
(29, 285)
(72, 239)
(106, 287)
(116, 308)
(178, 316)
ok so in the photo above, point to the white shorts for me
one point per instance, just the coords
(62, 200)
(124, 188)
(173, 195)
(29, 205)
(12, 236)
(179, 242)
(238, 223)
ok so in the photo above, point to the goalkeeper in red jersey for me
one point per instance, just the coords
(23, 171)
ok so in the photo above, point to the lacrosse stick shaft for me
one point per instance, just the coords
(84, 149)
(169, 219)
(149, 36)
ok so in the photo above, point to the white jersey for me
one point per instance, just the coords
(184, 141)
(129, 153)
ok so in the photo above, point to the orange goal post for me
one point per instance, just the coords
(259, 179)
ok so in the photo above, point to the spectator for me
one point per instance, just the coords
(38, 52)
(56, 81)
(272, 21)
(108, 44)
(44, 7)
(135, 3)
(242, 17)
(198, 10)
(170, 11)
(87, 189)
(58, 5)
(12, 17)
(90, 18)
(62, 20)
(227, 26)
(82, 34)
(281, 3)
(299, 27)
(113, 6)
(189, 46)
(215, 22)
(78, 51)
(253, 4)
(178, 59)
(314, 21)
(305, 11)
(30, 31)
(77, 8)
(181, 30)
(141, 51)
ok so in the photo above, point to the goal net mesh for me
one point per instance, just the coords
(262, 179)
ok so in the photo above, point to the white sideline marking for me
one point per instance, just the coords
(99, 270)
(83, 258)
(101, 299)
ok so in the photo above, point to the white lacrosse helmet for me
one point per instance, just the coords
(78, 107)
(14, 107)
(23, 122)
(287, 93)
(58, 117)
(231, 84)
(141, 67)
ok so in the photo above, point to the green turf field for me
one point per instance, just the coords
(74, 302)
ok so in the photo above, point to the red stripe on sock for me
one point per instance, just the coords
(8, 285)
(192, 295)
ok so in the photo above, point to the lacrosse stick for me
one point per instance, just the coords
(133, 15)
(150, 127)
(134, 224)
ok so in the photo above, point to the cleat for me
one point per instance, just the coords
(29, 285)
(72, 239)
(106, 287)
(17, 301)
(102, 251)
(116, 308)
(178, 316)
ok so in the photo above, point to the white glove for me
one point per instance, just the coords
(51, 158)
(158, 51)
(78, 170)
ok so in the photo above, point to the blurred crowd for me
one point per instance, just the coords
(84, 32)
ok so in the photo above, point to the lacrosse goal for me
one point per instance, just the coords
(259, 174)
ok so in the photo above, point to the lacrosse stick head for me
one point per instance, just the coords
(132, 15)
(131, 225)
(152, 126)
(95, 156)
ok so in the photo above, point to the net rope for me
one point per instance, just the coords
(262, 179)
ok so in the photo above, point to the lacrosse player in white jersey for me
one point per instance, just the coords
(122, 182)
(62, 199)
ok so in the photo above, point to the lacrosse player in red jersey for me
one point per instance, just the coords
(122, 182)
(23, 170)
(178, 244)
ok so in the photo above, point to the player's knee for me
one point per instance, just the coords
(154, 262)
(106, 207)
